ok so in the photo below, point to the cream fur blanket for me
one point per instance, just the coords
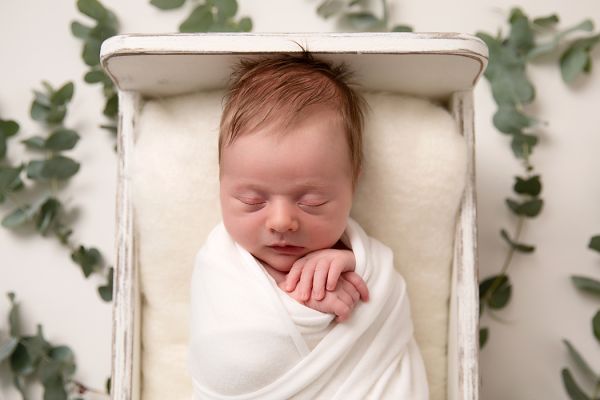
(408, 198)
(246, 340)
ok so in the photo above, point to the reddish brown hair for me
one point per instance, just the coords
(277, 88)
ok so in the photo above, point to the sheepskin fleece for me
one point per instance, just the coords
(408, 197)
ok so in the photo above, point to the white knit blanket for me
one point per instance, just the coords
(249, 341)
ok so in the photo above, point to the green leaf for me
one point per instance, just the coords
(402, 28)
(8, 128)
(552, 45)
(96, 76)
(595, 243)
(58, 167)
(20, 361)
(523, 248)
(63, 95)
(587, 284)
(93, 9)
(91, 52)
(329, 8)
(501, 58)
(574, 391)
(529, 208)
(111, 108)
(106, 291)
(531, 186)
(546, 22)
(245, 24)
(54, 388)
(500, 290)
(522, 145)
(200, 20)
(13, 317)
(572, 63)
(580, 361)
(38, 111)
(363, 20)
(62, 139)
(167, 4)
(596, 325)
(87, 259)
(7, 348)
(483, 337)
(521, 36)
(79, 30)
(35, 143)
(107, 385)
(508, 120)
(510, 86)
(65, 357)
(18, 217)
(225, 8)
(9, 177)
(47, 214)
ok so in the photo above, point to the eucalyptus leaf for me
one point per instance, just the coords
(47, 215)
(245, 24)
(574, 391)
(588, 284)
(402, 28)
(54, 388)
(595, 243)
(225, 8)
(18, 217)
(572, 63)
(522, 145)
(62, 139)
(596, 325)
(7, 348)
(580, 361)
(58, 167)
(520, 38)
(523, 248)
(531, 186)
(552, 45)
(91, 52)
(95, 10)
(108, 385)
(200, 20)
(8, 177)
(8, 127)
(106, 291)
(329, 8)
(483, 336)
(509, 120)
(13, 316)
(499, 288)
(38, 111)
(111, 108)
(167, 4)
(95, 76)
(79, 30)
(63, 95)
(20, 361)
(529, 208)
(87, 259)
(363, 20)
(35, 143)
(546, 22)
(510, 86)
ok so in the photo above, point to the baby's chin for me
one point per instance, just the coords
(281, 263)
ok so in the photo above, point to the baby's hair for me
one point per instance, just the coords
(277, 88)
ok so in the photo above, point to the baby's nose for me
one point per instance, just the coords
(282, 218)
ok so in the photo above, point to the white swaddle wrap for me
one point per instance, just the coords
(250, 340)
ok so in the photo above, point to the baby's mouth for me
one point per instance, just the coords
(283, 248)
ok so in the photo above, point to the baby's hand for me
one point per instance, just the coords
(340, 301)
(321, 270)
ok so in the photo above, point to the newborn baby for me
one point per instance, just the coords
(290, 298)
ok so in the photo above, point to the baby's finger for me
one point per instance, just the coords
(342, 311)
(292, 278)
(318, 289)
(350, 289)
(335, 270)
(358, 283)
(306, 280)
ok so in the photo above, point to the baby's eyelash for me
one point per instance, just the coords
(313, 204)
(251, 202)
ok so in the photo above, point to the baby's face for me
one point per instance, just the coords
(284, 195)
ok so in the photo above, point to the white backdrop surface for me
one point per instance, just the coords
(524, 355)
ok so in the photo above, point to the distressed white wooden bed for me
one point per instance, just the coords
(439, 66)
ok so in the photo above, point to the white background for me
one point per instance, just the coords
(524, 354)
